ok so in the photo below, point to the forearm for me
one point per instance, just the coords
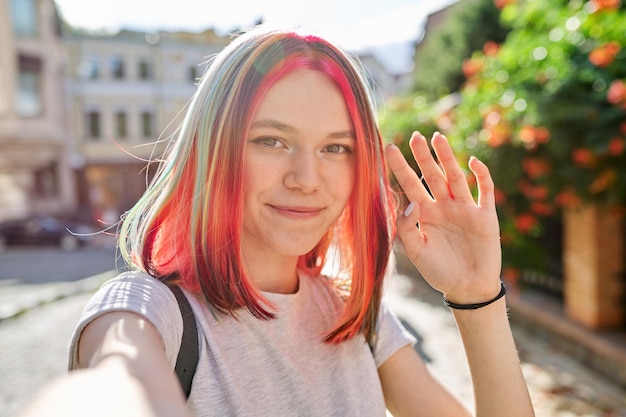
(123, 348)
(106, 390)
(499, 385)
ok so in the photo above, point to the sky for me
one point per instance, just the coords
(385, 27)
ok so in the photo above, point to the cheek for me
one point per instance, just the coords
(254, 173)
(260, 177)
(347, 178)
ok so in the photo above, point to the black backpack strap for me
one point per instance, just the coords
(187, 359)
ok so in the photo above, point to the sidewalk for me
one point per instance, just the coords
(16, 299)
(603, 351)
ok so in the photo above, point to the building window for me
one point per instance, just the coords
(93, 124)
(29, 100)
(147, 122)
(89, 69)
(117, 67)
(144, 70)
(120, 125)
(46, 182)
(24, 17)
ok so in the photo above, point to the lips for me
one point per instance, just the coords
(297, 212)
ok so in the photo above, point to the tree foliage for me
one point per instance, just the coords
(547, 111)
(468, 26)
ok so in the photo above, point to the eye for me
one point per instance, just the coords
(268, 142)
(337, 148)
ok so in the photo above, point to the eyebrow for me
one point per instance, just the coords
(275, 124)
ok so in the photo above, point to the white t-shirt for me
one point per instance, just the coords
(253, 367)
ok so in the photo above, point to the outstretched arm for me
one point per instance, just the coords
(456, 247)
(127, 374)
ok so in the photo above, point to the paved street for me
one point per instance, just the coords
(33, 349)
(33, 276)
(49, 264)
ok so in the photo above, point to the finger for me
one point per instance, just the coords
(433, 174)
(411, 236)
(407, 178)
(484, 182)
(457, 183)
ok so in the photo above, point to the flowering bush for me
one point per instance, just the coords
(546, 110)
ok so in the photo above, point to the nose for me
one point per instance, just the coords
(304, 173)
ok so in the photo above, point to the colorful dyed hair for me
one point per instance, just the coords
(189, 221)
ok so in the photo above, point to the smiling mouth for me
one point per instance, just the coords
(297, 212)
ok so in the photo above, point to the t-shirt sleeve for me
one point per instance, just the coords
(138, 293)
(390, 335)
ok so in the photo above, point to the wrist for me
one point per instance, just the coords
(475, 303)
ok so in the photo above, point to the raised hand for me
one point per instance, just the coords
(456, 243)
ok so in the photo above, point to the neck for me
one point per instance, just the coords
(273, 275)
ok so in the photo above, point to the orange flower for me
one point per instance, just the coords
(531, 135)
(490, 48)
(606, 4)
(527, 134)
(604, 55)
(616, 146)
(499, 196)
(603, 181)
(524, 222)
(501, 4)
(617, 93)
(510, 275)
(567, 198)
(535, 167)
(583, 157)
(533, 192)
(538, 192)
(542, 134)
(471, 67)
(499, 130)
(542, 209)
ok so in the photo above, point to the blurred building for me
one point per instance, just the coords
(383, 83)
(125, 91)
(35, 171)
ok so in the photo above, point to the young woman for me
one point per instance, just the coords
(278, 173)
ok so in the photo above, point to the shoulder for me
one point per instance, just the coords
(134, 291)
(138, 293)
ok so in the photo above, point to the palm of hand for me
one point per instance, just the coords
(457, 245)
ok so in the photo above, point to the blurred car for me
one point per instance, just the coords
(44, 230)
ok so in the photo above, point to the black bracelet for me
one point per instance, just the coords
(477, 305)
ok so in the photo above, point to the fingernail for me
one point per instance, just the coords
(409, 209)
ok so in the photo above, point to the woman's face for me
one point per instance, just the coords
(299, 166)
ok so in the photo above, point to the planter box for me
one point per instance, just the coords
(594, 267)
